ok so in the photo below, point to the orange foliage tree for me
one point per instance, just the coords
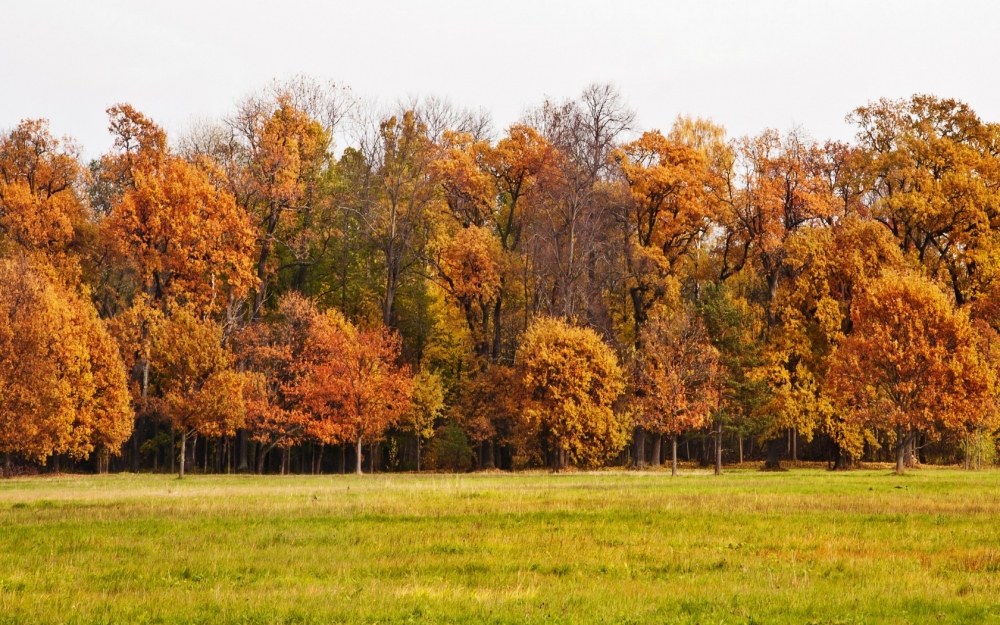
(354, 386)
(172, 221)
(911, 364)
(41, 201)
(679, 377)
(62, 382)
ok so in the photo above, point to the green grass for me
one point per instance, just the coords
(747, 547)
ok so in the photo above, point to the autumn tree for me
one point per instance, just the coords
(356, 381)
(470, 267)
(827, 268)
(276, 163)
(911, 364)
(669, 214)
(277, 356)
(62, 383)
(571, 380)
(932, 172)
(679, 378)
(426, 406)
(201, 393)
(393, 187)
(43, 209)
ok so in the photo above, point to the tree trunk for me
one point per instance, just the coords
(242, 466)
(357, 467)
(194, 448)
(319, 461)
(173, 449)
(901, 443)
(373, 462)
(741, 447)
(183, 452)
(342, 459)
(773, 460)
(657, 440)
(639, 437)
(488, 454)
(795, 445)
(844, 460)
(418, 453)
(6, 465)
(673, 455)
(718, 448)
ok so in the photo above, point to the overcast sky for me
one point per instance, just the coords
(746, 64)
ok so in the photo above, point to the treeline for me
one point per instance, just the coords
(570, 291)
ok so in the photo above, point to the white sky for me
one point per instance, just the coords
(746, 64)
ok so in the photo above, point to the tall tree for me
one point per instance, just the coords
(62, 382)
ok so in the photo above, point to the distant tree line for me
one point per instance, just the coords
(433, 293)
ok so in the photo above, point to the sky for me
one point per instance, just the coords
(748, 65)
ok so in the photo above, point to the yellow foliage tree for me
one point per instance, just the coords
(201, 394)
(571, 380)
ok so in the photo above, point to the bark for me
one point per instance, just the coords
(673, 455)
(173, 449)
(183, 453)
(718, 448)
(741, 448)
(357, 466)
(705, 458)
(496, 323)
(319, 461)
(657, 441)
(242, 466)
(795, 445)
(844, 460)
(773, 461)
(902, 440)
(488, 454)
(342, 459)
(418, 454)
(639, 438)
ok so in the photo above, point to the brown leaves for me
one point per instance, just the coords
(353, 386)
(679, 373)
(41, 200)
(200, 392)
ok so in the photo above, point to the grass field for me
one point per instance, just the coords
(747, 547)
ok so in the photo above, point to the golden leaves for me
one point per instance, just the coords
(62, 382)
(571, 379)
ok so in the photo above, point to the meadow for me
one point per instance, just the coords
(804, 546)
